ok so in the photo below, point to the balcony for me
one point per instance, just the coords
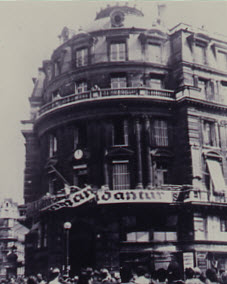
(202, 196)
(201, 95)
(140, 92)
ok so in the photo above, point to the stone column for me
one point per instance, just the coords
(148, 154)
(106, 175)
(139, 155)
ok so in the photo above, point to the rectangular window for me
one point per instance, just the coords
(199, 228)
(120, 133)
(45, 234)
(216, 175)
(56, 69)
(200, 54)
(52, 184)
(161, 173)
(118, 82)
(223, 91)
(223, 225)
(121, 175)
(161, 133)
(154, 52)
(81, 87)
(52, 145)
(222, 60)
(138, 237)
(202, 84)
(82, 57)
(118, 51)
(156, 83)
(165, 236)
(80, 177)
(209, 133)
(80, 137)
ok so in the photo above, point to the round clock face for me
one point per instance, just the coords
(78, 154)
(117, 18)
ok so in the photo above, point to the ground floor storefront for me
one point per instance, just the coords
(112, 235)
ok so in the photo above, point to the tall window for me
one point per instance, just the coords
(222, 60)
(161, 132)
(209, 133)
(223, 225)
(80, 136)
(202, 84)
(154, 53)
(121, 175)
(118, 51)
(118, 82)
(120, 133)
(200, 54)
(223, 92)
(44, 232)
(56, 68)
(80, 177)
(52, 186)
(161, 172)
(52, 145)
(199, 228)
(82, 57)
(81, 87)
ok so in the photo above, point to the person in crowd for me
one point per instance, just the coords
(40, 279)
(161, 275)
(211, 276)
(55, 276)
(105, 275)
(223, 277)
(189, 274)
(126, 274)
(83, 278)
(174, 276)
(90, 274)
(140, 276)
(32, 280)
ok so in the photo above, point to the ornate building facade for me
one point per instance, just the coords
(128, 140)
(12, 240)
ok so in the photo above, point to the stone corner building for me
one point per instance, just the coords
(128, 140)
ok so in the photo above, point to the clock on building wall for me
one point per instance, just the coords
(78, 154)
(117, 18)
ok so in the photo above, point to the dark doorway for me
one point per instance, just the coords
(81, 247)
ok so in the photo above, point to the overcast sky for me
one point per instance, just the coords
(29, 34)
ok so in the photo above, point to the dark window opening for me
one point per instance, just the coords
(120, 133)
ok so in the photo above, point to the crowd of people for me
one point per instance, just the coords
(126, 275)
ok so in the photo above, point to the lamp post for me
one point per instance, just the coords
(67, 227)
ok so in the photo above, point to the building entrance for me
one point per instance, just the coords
(81, 247)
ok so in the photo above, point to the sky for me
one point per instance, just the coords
(28, 35)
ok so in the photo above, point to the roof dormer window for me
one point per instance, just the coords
(82, 57)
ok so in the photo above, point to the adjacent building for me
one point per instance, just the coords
(128, 141)
(12, 238)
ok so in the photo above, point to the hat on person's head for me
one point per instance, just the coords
(197, 270)
(56, 270)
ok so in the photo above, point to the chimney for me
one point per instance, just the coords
(161, 14)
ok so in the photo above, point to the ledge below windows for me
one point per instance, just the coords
(104, 94)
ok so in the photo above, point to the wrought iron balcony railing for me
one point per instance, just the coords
(105, 94)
